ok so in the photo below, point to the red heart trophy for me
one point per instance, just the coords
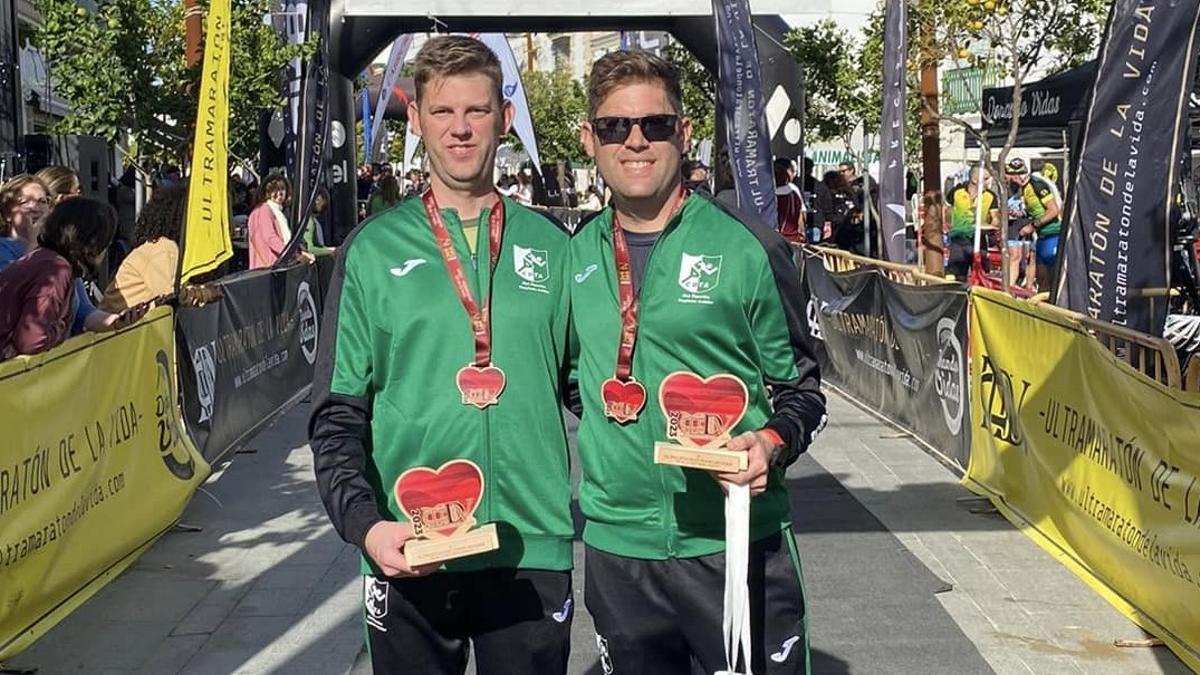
(700, 415)
(441, 507)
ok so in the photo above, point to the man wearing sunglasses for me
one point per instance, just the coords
(667, 281)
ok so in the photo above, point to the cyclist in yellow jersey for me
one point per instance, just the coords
(1044, 210)
(964, 206)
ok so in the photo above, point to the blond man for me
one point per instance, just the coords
(453, 284)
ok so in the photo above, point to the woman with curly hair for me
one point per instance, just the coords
(37, 292)
(149, 271)
(24, 203)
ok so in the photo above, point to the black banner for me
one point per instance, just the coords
(277, 138)
(782, 86)
(11, 100)
(313, 125)
(243, 359)
(741, 102)
(893, 204)
(1117, 248)
(899, 349)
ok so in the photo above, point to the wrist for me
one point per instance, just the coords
(776, 443)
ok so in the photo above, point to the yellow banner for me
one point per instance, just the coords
(1096, 462)
(206, 236)
(94, 466)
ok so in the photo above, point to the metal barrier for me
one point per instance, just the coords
(1191, 374)
(844, 261)
(1153, 356)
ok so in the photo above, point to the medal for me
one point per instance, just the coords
(480, 382)
(623, 396)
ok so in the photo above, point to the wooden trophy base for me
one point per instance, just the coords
(420, 552)
(723, 461)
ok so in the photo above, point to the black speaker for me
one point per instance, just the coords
(90, 161)
(556, 186)
(40, 152)
(87, 156)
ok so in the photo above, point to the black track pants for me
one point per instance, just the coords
(663, 617)
(519, 622)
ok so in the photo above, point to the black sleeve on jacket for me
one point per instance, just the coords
(798, 402)
(339, 428)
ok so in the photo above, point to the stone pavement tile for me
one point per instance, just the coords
(117, 645)
(1049, 663)
(892, 656)
(333, 584)
(271, 602)
(325, 640)
(126, 597)
(289, 575)
(210, 612)
(235, 643)
(173, 654)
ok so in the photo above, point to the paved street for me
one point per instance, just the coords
(906, 573)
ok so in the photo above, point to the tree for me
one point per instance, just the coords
(558, 106)
(834, 92)
(122, 69)
(844, 84)
(699, 87)
(1015, 38)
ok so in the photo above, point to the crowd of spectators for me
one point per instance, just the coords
(71, 264)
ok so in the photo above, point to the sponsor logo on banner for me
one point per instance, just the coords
(533, 267)
(170, 435)
(1002, 403)
(699, 275)
(206, 380)
(950, 378)
(814, 319)
(375, 602)
(308, 322)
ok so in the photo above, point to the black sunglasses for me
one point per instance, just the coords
(617, 129)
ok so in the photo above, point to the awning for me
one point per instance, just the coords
(1048, 108)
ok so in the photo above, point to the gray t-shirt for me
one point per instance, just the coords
(640, 244)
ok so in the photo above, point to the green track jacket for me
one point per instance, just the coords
(394, 336)
(719, 295)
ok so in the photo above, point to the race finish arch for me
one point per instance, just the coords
(361, 29)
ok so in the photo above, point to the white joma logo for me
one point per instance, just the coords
(587, 272)
(408, 266)
(782, 655)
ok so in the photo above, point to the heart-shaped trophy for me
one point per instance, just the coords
(441, 505)
(701, 413)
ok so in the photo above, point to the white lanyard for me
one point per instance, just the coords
(736, 623)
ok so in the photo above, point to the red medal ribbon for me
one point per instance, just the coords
(480, 382)
(623, 396)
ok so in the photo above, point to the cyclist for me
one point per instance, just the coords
(1043, 208)
(962, 199)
